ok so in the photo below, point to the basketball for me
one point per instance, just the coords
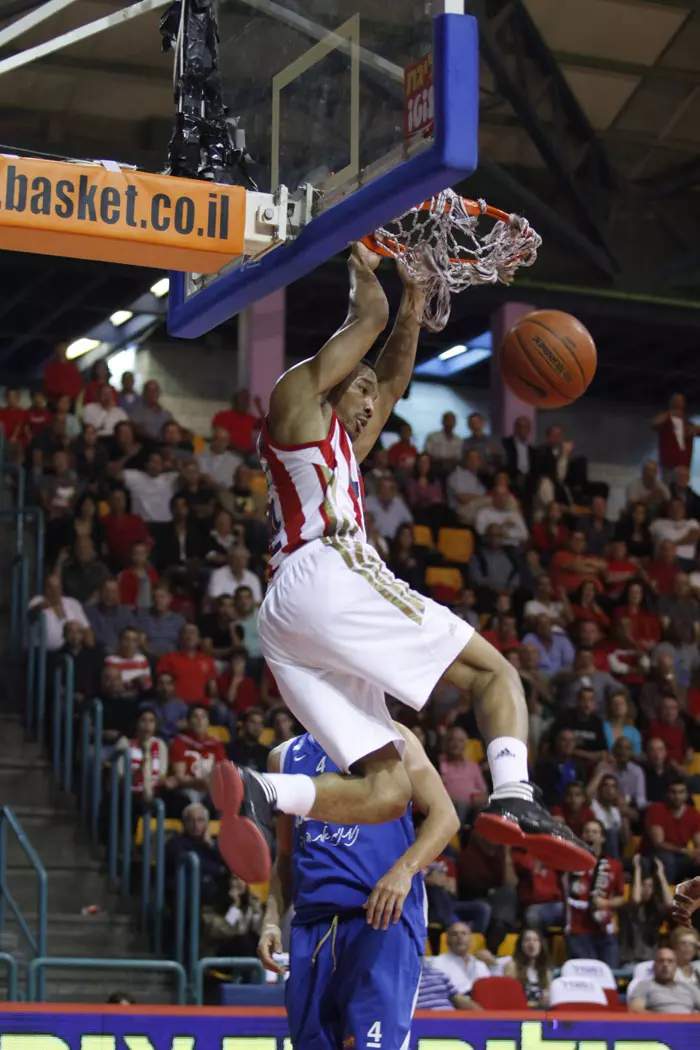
(548, 359)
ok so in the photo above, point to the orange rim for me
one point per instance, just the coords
(390, 248)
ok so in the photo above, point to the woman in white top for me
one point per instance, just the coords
(529, 965)
(57, 611)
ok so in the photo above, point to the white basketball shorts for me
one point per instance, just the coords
(338, 631)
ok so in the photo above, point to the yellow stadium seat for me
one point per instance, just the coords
(422, 536)
(633, 846)
(443, 943)
(507, 945)
(474, 750)
(693, 768)
(262, 889)
(478, 943)
(258, 484)
(456, 544)
(199, 444)
(267, 737)
(428, 949)
(558, 955)
(454, 841)
(214, 828)
(220, 733)
(103, 508)
(170, 825)
(696, 802)
(435, 576)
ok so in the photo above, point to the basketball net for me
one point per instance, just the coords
(439, 244)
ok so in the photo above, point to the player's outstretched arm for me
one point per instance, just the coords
(394, 366)
(385, 902)
(280, 889)
(295, 404)
(686, 900)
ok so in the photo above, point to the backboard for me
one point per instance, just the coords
(353, 111)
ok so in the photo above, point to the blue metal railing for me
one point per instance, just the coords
(153, 876)
(240, 965)
(12, 977)
(36, 968)
(21, 517)
(36, 941)
(63, 727)
(187, 913)
(19, 600)
(91, 767)
(20, 473)
(120, 822)
(36, 677)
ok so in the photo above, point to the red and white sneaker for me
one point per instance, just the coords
(242, 842)
(526, 824)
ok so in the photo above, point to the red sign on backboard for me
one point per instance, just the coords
(418, 98)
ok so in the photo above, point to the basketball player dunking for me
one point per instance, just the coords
(359, 926)
(338, 630)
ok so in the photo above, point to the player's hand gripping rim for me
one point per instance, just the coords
(686, 900)
(385, 903)
(270, 944)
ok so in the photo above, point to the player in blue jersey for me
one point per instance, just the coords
(359, 925)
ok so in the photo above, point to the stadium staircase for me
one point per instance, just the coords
(76, 872)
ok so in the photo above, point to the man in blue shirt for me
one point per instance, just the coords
(359, 924)
(556, 651)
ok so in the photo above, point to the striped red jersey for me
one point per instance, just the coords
(313, 490)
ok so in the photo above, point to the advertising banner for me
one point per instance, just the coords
(51, 1027)
(93, 211)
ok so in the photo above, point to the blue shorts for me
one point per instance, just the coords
(359, 991)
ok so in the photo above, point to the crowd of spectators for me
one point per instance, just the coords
(156, 560)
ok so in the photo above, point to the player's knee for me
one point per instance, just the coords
(510, 678)
(390, 793)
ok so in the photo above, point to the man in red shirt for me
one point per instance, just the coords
(620, 570)
(122, 529)
(240, 422)
(670, 727)
(194, 673)
(62, 377)
(661, 572)
(590, 638)
(574, 812)
(539, 891)
(676, 433)
(404, 453)
(37, 417)
(592, 898)
(569, 568)
(193, 755)
(13, 418)
(673, 833)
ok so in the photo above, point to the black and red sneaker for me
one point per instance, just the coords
(526, 824)
(246, 824)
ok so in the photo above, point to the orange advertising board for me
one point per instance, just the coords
(91, 211)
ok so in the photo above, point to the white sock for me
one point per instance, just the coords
(508, 764)
(293, 793)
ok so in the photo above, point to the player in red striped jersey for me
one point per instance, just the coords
(338, 630)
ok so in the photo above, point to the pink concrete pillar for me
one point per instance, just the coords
(505, 406)
(261, 345)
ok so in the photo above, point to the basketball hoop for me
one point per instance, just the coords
(438, 243)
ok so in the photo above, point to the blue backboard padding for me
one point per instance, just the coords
(452, 156)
